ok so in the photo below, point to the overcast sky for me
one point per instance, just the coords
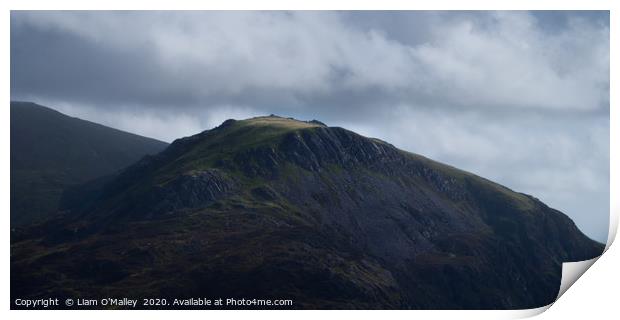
(521, 98)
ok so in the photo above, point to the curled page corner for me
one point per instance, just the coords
(571, 271)
(528, 313)
(613, 228)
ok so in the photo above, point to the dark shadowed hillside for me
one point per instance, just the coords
(277, 208)
(51, 151)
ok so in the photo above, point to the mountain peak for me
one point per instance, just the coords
(251, 130)
(282, 122)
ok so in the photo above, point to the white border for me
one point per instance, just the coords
(601, 287)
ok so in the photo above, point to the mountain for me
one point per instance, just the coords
(275, 208)
(51, 151)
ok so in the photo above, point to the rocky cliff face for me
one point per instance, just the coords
(278, 208)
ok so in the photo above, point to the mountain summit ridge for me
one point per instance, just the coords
(276, 207)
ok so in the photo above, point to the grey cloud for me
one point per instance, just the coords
(196, 58)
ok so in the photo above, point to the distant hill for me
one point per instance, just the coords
(51, 151)
(275, 208)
